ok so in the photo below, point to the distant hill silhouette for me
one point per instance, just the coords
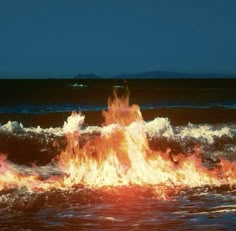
(166, 74)
(88, 76)
(158, 75)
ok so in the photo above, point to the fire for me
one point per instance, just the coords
(120, 111)
(121, 156)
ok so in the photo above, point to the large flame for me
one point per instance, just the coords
(121, 156)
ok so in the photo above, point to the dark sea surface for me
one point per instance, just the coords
(179, 114)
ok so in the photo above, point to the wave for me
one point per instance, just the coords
(215, 141)
(160, 127)
(204, 133)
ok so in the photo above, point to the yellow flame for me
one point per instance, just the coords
(121, 156)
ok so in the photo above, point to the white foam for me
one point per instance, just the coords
(55, 131)
(91, 129)
(79, 85)
(12, 126)
(106, 130)
(16, 127)
(159, 127)
(72, 124)
(205, 133)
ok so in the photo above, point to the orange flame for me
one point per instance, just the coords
(121, 156)
(120, 111)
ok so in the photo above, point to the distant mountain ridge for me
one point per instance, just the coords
(87, 76)
(158, 75)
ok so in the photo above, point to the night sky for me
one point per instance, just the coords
(61, 38)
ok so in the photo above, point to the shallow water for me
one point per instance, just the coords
(119, 209)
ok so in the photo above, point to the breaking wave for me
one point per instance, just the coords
(215, 141)
(160, 127)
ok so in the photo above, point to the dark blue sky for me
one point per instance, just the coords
(60, 38)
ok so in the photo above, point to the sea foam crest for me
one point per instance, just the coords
(205, 133)
(158, 128)
(15, 127)
(12, 126)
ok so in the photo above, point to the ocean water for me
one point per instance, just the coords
(180, 116)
